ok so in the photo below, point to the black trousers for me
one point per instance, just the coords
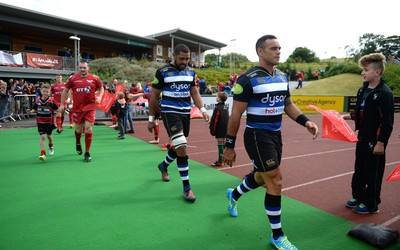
(368, 174)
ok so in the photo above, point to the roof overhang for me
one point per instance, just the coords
(188, 38)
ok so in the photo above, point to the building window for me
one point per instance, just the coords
(159, 50)
(30, 48)
(5, 41)
(169, 52)
(87, 56)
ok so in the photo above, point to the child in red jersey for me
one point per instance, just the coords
(44, 107)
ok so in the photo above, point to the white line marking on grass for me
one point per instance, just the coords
(391, 221)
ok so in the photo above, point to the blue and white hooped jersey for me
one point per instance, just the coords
(175, 86)
(265, 95)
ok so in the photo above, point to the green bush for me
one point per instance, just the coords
(342, 68)
(392, 77)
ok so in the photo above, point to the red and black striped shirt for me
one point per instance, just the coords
(45, 110)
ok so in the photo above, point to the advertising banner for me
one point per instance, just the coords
(7, 59)
(44, 61)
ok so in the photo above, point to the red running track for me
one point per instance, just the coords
(316, 172)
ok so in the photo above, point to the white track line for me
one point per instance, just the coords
(391, 221)
(299, 156)
(293, 157)
(328, 178)
(316, 181)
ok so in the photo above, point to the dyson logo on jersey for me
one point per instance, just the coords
(85, 89)
(178, 87)
(271, 100)
(274, 111)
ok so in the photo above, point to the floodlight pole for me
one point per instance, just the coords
(76, 50)
(230, 59)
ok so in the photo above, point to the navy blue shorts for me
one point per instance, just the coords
(264, 148)
(175, 123)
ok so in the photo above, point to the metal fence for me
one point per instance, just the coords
(17, 106)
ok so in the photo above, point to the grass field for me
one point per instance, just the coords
(343, 84)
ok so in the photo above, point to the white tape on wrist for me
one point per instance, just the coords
(203, 110)
(151, 118)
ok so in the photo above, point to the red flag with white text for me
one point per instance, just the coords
(107, 101)
(119, 88)
(334, 126)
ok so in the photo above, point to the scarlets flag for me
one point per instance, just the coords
(394, 175)
(195, 113)
(334, 126)
(107, 101)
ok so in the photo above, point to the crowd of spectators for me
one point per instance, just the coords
(16, 96)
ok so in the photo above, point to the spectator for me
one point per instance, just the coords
(3, 99)
(227, 88)
(233, 79)
(316, 75)
(221, 86)
(219, 125)
(120, 107)
(288, 74)
(202, 86)
(300, 78)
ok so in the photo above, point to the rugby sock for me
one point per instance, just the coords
(70, 118)
(78, 135)
(183, 168)
(43, 152)
(62, 121)
(272, 205)
(248, 184)
(156, 132)
(58, 122)
(51, 145)
(169, 158)
(88, 141)
(221, 147)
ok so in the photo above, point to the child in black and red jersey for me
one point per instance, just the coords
(45, 107)
(219, 125)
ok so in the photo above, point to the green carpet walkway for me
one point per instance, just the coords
(118, 201)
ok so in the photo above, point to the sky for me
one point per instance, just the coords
(324, 27)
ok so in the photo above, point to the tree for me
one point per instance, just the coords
(302, 54)
(390, 46)
(211, 59)
(370, 43)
